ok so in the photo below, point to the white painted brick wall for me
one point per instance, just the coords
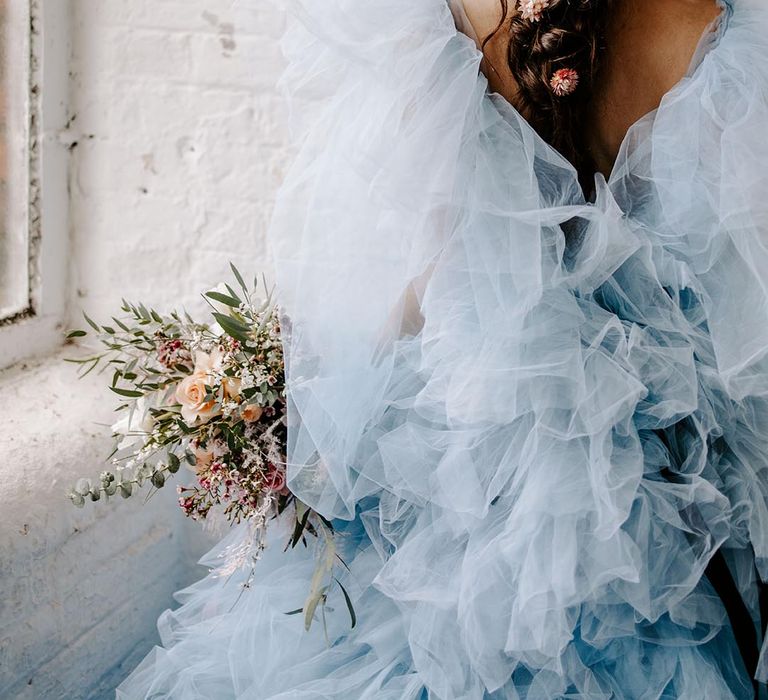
(180, 145)
(177, 147)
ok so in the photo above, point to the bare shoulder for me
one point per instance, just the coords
(484, 18)
(484, 15)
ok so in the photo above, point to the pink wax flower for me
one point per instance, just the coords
(564, 81)
(531, 9)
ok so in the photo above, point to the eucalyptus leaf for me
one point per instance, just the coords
(173, 463)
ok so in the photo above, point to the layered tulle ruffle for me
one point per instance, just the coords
(534, 419)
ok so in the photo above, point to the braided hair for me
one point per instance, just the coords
(554, 53)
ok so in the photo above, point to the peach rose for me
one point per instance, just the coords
(231, 386)
(190, 393)
(203, 458)
(251, 413)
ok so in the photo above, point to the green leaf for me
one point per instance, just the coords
(233, 327)
(239, 278)
(76, 334)
(91, 368)
(299, 528)
(295, 612)
(121, 324)
(224, 299)
(144, 313)
(232, 292)
(127, 393)
(156, 316)
(91, 322)
(173, 463)
(348, 601)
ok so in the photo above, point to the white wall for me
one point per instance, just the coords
(81, 589)
(180, 145)
(177, 147)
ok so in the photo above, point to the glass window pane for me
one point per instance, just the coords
(14, 157)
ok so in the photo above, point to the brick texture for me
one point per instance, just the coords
(178, 135)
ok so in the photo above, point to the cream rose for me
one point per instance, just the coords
(190, 393)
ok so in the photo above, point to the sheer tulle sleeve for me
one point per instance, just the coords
(363, 214)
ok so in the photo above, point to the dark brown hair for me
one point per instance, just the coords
(569, 34)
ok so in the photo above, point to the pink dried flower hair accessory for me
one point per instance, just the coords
(531, 9)
(564, 81)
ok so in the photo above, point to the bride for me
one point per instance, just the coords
(524, 264)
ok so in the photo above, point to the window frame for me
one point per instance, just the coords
(38, 329)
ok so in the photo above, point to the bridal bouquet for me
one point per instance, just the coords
(210, 396)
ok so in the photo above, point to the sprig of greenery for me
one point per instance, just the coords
(109, 484)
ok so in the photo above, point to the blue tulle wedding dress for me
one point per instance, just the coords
(537, 422)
